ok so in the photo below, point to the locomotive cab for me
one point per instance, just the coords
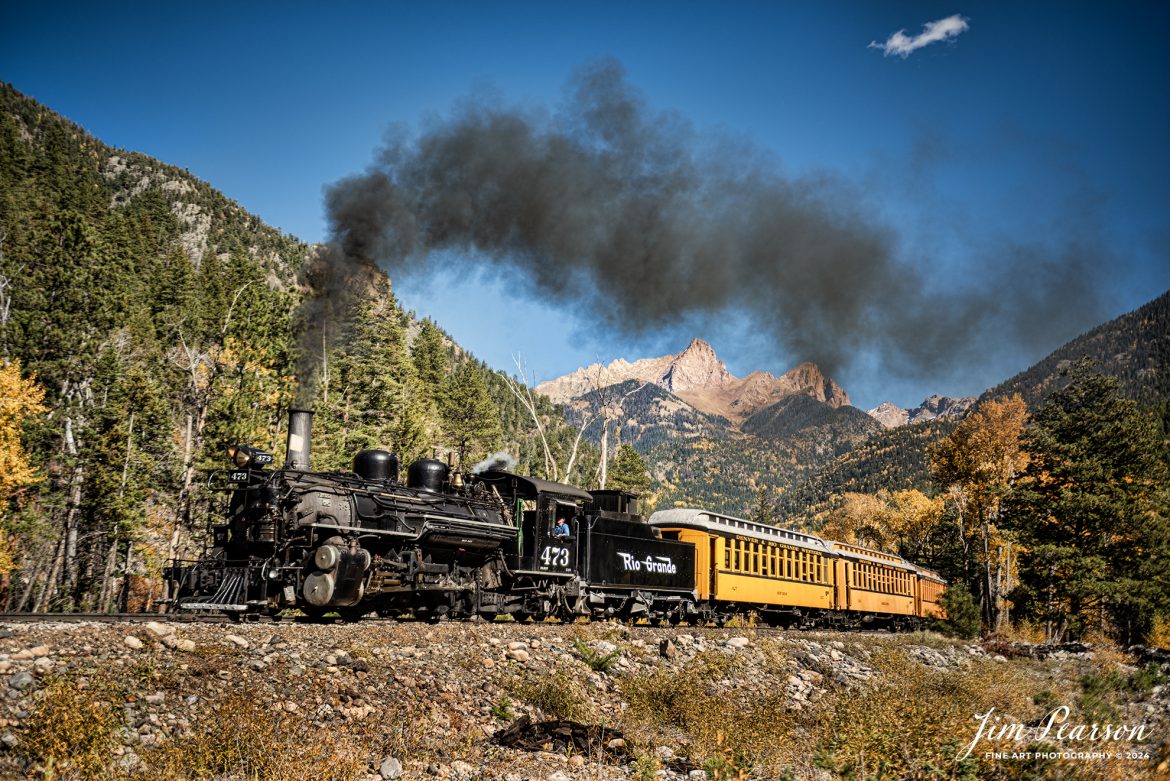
(550, 517)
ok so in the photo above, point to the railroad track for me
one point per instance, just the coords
(214, 618)
(112, 618)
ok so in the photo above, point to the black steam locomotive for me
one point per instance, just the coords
(438, 544)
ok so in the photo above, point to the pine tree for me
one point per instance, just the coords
(429, 354)
(372, 398)
(470, 419)
(764, 510)
(628, 471)
(1091, 509)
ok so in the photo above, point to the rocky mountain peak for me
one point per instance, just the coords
(889, 414)
(698, 377)
(935, 406)
(808, 379)
(695, 368)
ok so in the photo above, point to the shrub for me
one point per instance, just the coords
(502, 709)
(557, 695)
(71, 730)
(962, 613)
(597, 662)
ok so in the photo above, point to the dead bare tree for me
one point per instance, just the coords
(522, 390)
(609, 411)
(202, 366)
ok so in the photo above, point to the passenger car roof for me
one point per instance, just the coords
(717, 523)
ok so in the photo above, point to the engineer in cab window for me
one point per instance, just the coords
(562, 528)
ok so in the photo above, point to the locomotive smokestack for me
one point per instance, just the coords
(300, 434)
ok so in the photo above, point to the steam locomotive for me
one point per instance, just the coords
(437, 544)
(444, 544)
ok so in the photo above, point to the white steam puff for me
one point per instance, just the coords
(501, 460)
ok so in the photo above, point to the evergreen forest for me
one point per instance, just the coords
(147, 323)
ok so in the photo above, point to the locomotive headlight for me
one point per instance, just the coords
(243, 456)
(240, 456)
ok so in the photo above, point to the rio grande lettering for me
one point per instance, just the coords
(648, 564)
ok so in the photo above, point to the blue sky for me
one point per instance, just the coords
(1037, 120)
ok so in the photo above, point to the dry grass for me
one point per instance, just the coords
(909, 722)
(729, 732)
(557, 695)
(244, 740)
(72, 729)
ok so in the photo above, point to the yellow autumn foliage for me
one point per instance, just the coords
(20, 399)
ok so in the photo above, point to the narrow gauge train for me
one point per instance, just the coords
(442, 544)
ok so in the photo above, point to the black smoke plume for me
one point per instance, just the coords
(632, 217)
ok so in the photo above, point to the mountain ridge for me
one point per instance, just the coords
(890, 415)
(699, 377)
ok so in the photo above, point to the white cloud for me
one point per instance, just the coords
(932, 32)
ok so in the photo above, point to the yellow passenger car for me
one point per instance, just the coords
(740, 565)
(930, 590)
(873, 582)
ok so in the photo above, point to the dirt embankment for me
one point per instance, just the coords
(378, 700)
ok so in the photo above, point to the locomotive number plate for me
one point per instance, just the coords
(553, 557)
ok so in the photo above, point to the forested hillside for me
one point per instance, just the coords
(893, 459)
(162, 322)
(1134, 348)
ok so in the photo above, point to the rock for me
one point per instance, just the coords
(390, 768)
(664, 753)
(176, 643)
(666, 649)
(697, 774)
(604, 647)
(617, 744)
(160, 630)
(489, 663)
(738, 642)
(43, 665)
(558, 776)
(132, 642)
(236, 640)
(40, 650)
(257, 665)
(517, 646)
(519, 655)
(576, 761)
(461, 769)
(155, 699)
(999, 658)
(21, 681)
(9, 740)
